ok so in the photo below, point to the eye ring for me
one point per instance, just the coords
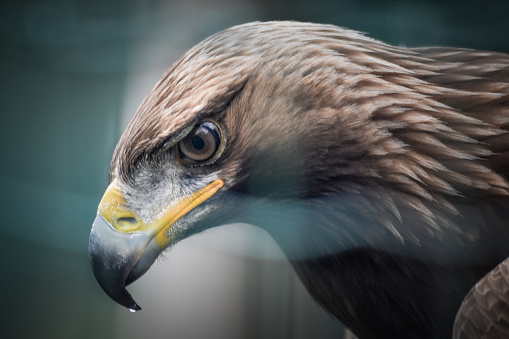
(202, 144)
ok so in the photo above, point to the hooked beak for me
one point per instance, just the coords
(122, 247)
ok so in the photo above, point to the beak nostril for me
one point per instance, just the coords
(124, 222)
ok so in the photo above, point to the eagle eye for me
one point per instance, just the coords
(201, 144)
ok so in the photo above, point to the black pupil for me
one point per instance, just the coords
(198, 143)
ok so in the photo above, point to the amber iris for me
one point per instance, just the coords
(202, 143)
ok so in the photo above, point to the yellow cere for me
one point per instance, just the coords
(112, 208)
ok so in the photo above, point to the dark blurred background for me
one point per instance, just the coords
(72, 74)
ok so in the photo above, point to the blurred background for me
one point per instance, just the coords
(72, 74)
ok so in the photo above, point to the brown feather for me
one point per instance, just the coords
(485, 311)
(411, 146)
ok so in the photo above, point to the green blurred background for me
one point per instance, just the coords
(72, 74)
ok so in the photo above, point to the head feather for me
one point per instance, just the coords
(421, 119)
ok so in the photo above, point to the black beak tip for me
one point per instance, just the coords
(124, 298)
(111, 266)
(116, 290)
(135, 308)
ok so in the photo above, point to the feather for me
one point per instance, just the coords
(399, 158)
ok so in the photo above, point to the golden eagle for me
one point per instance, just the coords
(381, 171)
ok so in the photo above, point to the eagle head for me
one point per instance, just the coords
(243, 114)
